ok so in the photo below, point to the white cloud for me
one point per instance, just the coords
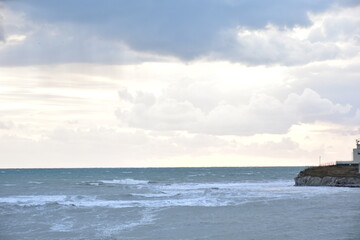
(310, 106)
(273, 45)
(165, 114)
(262, 114)
(337, 80)
(174, 114)
(114, 147)
(337, 25)
(333, 34)
(6, 125)
(101, 147)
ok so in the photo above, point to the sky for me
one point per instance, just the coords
(191, 83)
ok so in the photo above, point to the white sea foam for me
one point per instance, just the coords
(222, 186)
(35, 182)
(90, 201)
(127, 181)
(64, 226)
(156, 195)
(147, 217)
(179, 194)
(32, 200)
(93, 183)
(8, 184)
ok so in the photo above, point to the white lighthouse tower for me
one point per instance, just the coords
(356, 152)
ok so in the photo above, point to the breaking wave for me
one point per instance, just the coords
(127, 181)
(177, 194)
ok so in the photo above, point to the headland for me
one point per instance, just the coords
(343, 174)
(335, 176)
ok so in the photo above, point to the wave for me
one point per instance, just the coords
(202, 195)
(224, 185)
(32, 200)
(8, 184)
(35, 182)
(163, 194)
(127, 181)
(90, 202)
(156, 195)
(92, 183)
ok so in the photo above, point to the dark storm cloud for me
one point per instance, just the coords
(185, 29)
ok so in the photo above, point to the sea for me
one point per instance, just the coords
(248, 203)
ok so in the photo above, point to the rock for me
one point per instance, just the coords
(327, 181)
(331, 176)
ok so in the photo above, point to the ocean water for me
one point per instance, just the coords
(173, 203)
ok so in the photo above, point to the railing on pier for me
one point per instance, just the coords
(327, 164)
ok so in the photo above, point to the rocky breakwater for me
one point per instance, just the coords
(335, 176)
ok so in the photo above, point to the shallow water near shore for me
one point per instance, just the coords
(173, 203)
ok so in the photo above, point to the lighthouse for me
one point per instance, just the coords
(356, 157)
(356, 152)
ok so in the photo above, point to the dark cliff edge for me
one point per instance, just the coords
(334, 176)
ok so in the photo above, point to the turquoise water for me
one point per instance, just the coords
(173, 203)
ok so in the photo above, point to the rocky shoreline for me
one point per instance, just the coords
(334, 176)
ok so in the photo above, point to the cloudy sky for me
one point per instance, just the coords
(166, 83)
